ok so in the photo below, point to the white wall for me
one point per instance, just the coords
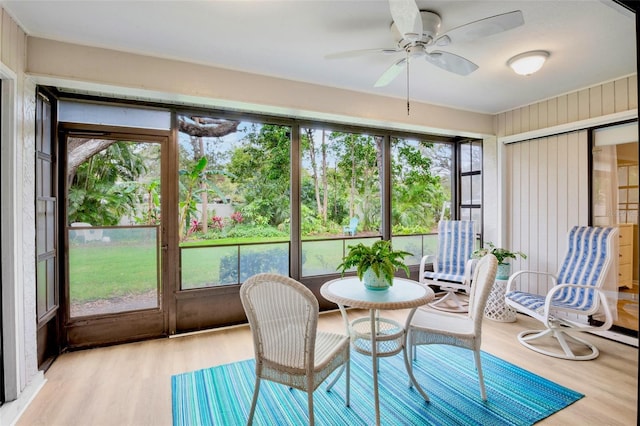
(87, 68)
(22, 379)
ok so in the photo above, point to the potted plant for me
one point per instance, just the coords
(375, 264)
(502, 254)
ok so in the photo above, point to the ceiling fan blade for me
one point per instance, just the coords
(391, 73)
(406, 15)
(450, 62)
(482, 28)
(361, 52)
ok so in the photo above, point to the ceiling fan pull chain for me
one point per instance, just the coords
(407, 82)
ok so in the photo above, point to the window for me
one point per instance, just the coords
(471, 182)
(421, 176)
(341, 203)
(234, 203)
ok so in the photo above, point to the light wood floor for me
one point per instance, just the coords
(130, 384)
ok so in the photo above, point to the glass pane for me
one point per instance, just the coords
(420, 185)
(623, 176)
(113, 207)
(633, 175)
(411, 244)
(234, 190)
(430, 245)
(476, 156)
(41, 293)
(117, 115)
(622, 196)
(465, 187)
(341, 181)
(322, 257)
(465, 157)
(261, 258)
(208, 266)
(113, 269)
(476, 190)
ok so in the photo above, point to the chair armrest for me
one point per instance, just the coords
(469, 267)
(423, 262)
(602, 295)
(512, 279)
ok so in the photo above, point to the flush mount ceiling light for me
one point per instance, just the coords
(529, 62)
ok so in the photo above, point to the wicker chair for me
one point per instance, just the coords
(430, 327)
(283, 315)
(577, 293)
(452, 266)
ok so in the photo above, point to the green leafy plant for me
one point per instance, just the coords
(380, 257)
(502, 254)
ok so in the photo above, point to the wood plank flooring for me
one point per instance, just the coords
(131, 384)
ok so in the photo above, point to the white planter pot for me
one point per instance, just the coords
(373, 282)
(503, 272)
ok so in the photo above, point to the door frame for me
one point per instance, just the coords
(132, 325)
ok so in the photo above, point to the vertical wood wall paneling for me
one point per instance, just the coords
(608, 98)
(552, 112)
(621, 88)
(551, 243)
(583, 104)
(633, 92)
(595, 101)
(547, 193)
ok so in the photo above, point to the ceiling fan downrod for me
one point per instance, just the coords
(407, 83)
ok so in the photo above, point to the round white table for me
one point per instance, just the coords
(384, 335)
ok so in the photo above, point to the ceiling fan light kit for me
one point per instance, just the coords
(528, 63)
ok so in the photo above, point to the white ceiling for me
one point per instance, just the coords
(590, 41)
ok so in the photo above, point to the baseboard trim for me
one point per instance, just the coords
(11, 411)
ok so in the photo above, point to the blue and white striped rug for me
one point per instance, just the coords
(222, 395)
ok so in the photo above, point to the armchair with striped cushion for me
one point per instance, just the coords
(576, 294)
(452, 265)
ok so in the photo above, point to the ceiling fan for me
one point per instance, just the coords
(417, 33)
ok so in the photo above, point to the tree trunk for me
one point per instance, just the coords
(325, 184)
(204, 215)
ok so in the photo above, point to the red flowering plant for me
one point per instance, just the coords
(217, 222)
(237, 218)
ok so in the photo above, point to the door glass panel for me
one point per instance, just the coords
(615, 203)
(234, 207)
(112, 269)
(113, 226)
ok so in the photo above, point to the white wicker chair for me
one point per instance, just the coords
(577, 293)
(452, 265)
(435, 327)
(283, 315)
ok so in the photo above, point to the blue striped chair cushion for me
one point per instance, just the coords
(585, 260)
(455, 246)
(444, 277)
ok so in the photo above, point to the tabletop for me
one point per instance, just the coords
(403, 294)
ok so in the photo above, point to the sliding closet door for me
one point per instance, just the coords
(546, 193)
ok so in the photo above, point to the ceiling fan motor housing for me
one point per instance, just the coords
(430, 27)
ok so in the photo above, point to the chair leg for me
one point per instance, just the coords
(335, 379)
(254, 401)
(310, 398)
(348, 391)
(476, 356)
